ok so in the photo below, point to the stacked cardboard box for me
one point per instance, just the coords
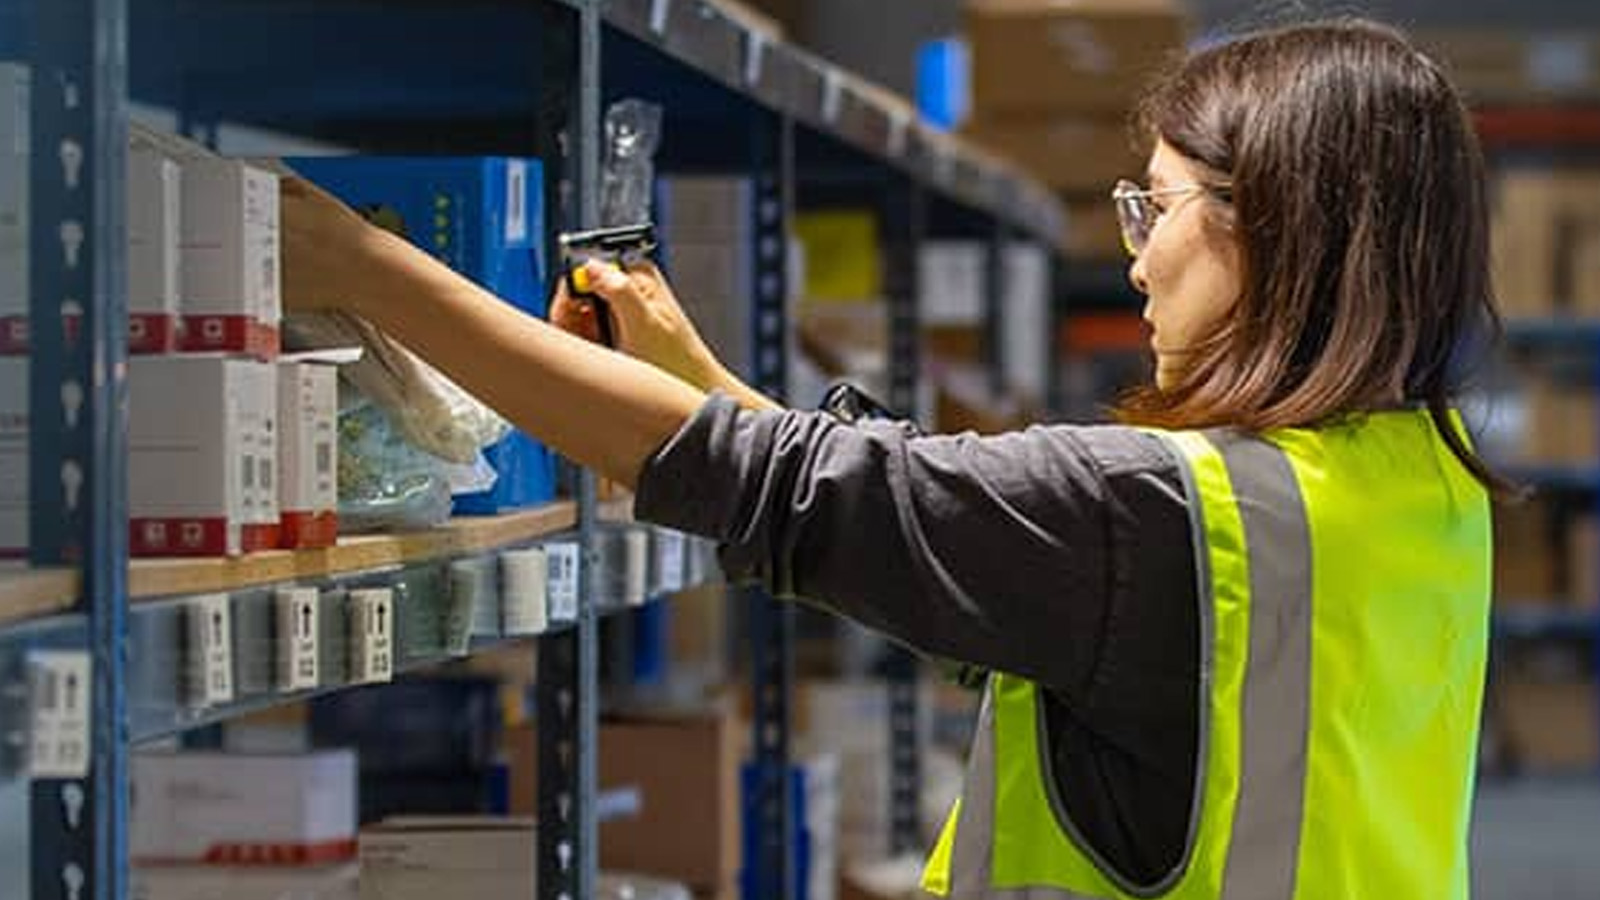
(1503, 66)
(1546, 237)
(1054, 84)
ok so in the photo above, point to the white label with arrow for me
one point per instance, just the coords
(299, 610)
(59, 683)
(210, 623)
(562, 561)
(372, 635)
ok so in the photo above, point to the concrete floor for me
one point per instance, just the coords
(1537, 840)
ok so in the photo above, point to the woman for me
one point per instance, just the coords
(1239, 650)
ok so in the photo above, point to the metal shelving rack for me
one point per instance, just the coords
(489, 76)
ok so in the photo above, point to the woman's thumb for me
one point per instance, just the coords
(607, 280)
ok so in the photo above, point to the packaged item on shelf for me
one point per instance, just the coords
(483, 216)
(1563, 425)
(627, 175)
(155, 208)
(15, 86)
(428, 857)
(1524, 554)
(843, 253)
(196, 428)
(230, 259)
(289, 809)
(1031, 56)
(1583, 562)
(248, 882)
(1547, 705)
(308, 448)
(385, 483)
(14, 467)
(1543, 222)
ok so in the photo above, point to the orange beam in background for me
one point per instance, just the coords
(1101, 332)
(1539, 127)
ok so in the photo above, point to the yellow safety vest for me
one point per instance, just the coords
(1344, 578)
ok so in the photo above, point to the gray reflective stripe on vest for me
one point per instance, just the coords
(1264, 850)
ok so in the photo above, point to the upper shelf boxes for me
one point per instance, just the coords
(484, 217)
(1054, 82)
(14, 250)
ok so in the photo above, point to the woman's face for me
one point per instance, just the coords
(1190, 269)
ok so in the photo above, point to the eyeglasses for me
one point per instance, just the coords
(1139, 215)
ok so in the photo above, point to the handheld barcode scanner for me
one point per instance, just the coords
(623, 246)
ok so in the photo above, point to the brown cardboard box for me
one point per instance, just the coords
(1082, 153)
(1032, 56)
(1543, 230)
(1562, 424)
(1583, 562)
(1524, 554)
(685, 767)
(1551, 725)
(1585, 273)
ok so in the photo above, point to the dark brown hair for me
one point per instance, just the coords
(1359, 206)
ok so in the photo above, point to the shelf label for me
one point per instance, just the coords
(299, 613)
(899, 123)
(755, 51)
(210, 625)
(371, 635)
(832, 96)
(670, 553)
(60, 682)
(659, 10)
(562, 561)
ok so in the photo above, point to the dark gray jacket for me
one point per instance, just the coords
(1061, 554)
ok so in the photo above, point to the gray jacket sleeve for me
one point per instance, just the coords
(1007, 552)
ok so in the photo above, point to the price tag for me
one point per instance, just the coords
(562, 561)
(59, 683)
(210, 626)
(899, 124)
(524, 576)
(636, 587)
(299, 613)
(371, 635)
(670, 552)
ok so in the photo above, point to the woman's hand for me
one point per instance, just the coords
(647, 322)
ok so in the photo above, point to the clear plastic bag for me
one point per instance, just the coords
(633, 133)
(385, 482)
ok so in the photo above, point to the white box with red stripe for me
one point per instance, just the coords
(230, 261)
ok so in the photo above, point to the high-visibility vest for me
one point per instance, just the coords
(1344, 580)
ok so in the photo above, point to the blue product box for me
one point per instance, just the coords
(483, 217)
(944, 82)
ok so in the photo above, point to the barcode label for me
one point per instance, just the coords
(324, 455)
(60, 683)
(266, 475)
(669, 560)
(210, 664)
(562, 562)
(516, 201)
(249, 472)
(299, 612)
(372, 634)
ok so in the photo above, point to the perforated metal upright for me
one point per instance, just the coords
(772, 622)
(568, 660)
(905, 224)
(78, 473)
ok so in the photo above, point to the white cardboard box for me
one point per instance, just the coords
(14, 422)
(154, 225)
(426, 858)
(191, 465)
(16, 87)
(230, 258)
(308, 447)
(334, 882)
(244, 809)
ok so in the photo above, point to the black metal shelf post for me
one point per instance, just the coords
(905, 223)
(568, 660)
(772, 621)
